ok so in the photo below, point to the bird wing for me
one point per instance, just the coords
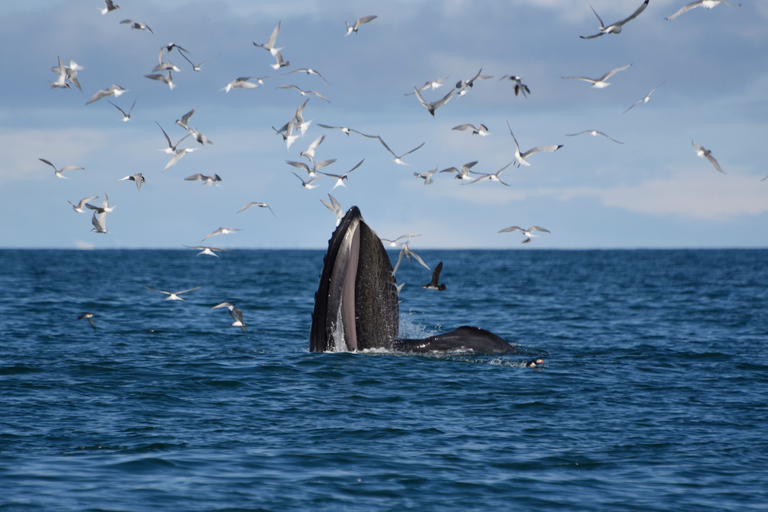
(634, 14)
(613, 72)
(539, 149)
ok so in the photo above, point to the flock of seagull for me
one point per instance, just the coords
(310, 171)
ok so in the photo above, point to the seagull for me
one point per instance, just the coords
(178, 155)
(335, 207)
(491, 176)
(270, 44)
(646, 99)
(221, 231)
(393, 243)
(462, 85)
(520, 87)
(527, 233)
(243, 82)
(104, 208)
(431, 107)
(311, 173)
(109, 5)
(398, 159)
(171, 149)
(708, 4)
(138, 178)
(237, 315)
(521, 157)
(594, 133)
(126, 117)
(136, 25)
(162, 78)
(341, 177)
(64, 73)
(58, 172)
(199, 137)
(598, 83)
(88, 316)
(310, 152)
(207, 180)
(195, 67)
(287, 134)
(99, 221)
(256, 203)
(308, 71)
(358, 23)
(307, 184)
(184, 121)
(279, 62)
(426, 176)
(432, 84)
(615, 28)
(302, 91)
(480, 130)
(463, 173)
(406, 251)
(173, 295)
(432, 285)
(209, 251)
(71, 72)
(298, 118)
(114, 90)
(79, 206)
(705, 153)
(345, 130)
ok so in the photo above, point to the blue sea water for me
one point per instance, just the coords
(654, 395)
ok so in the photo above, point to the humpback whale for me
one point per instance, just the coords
(356, 303)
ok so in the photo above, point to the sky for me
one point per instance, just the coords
(651, 191)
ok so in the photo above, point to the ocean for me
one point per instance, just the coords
(653, 396)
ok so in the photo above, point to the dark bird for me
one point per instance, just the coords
(433, 284)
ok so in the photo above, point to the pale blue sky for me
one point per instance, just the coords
(652, 191)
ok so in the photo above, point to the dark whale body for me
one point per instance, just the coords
(356, 303)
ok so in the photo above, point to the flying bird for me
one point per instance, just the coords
(58, 172)
(184, 121)
(243, 82)
(358, 23)
(138, 178)
(126, 116)
(279, 62)
(393, 243)
(432, 84)
(109, 6)
(527, 233)
(480, 130)
(520, 157)
(308, 71)
(114, 90)
(89, 317)
(406, 251)
(335, 208)
(178, 155)
(204, 249)
(137, 25)
(99, 222)
(645, 99)
(491, 176)
(311, 173)
(463, 173)
(340, 178)
(345, 130)
(173, 295)
(433, 284)
(270, 44)
(309, 184)
(615, 28)
(221, 231)
(302, 91)
(237, 314)
(520, 87)
(310, 152)
(599, 83)
(707, 4)
(256, 203)
(171, 149)
(207, 180)
(594, 133)
(705, 153)
(398, 159)
(463, 85)
(104, 208)
(79, 206)
(427, 175)
(163, 78)
(61, 80)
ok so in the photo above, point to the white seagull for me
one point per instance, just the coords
(173, 295)
(615, 28)
(359, 22)
(126, 116)
(308, 71)
(237, 314)
(138, 178)
(171, 149)
(527, 233)
(163, 78)
(427, 175)
(137, 25)
(645, 99)
(406, 251)
(707, 4)
(280, 62)
(58, 172)
(178, 155)
(79, 206)
(463, 173)
(243, 82)
(114, 90)
(705, 153)
(302, 91)
(520, 87)
(270, 44)
(480, 130)
(594, 133)
(221, 231)
(204, 249)
(520, 157)
(398, 159)
(341, 177)
(109, 6)
(310, 152)
(309, 184)
(207, 180)
(432, 84)
(335, 207)
(259, 204)
(491, 176)
(599, 83)
(431, 107)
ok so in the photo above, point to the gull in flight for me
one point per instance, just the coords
(398, 159)
(204, 249)
(171, 149)
(221, 231)
(345, 130)
(594, 133)
(279, 62)
(237, 315)
(520, 157)
(705, 153)
(207, 180)
(615, 28)
(335, 207)
(270, 44)
(66, 73)
(707, 4)
(162, 78)
(79, 206)
(184, 121)
(138, 178)
(302, 91)
(406, 251)
(58, 172)
(433, 284)
(598, 83)
(104, 208)
(427, 175)
(393, 243)
(256, 203)
(243, 82)
(311, 173)
(115, 90)
(309, 184)
(358, 23)
(61, 80)
(178, 155)
(126, 116)
(173, 295)
(480, 130)
(341, 177)
(137, 25)
(463, 85)
(199, 137)
(99, 219)
(520, 87)
(310, 152)
(463, 173)
(527, 233)
(308, 71)
(109, 6)
(89, 317)
(491, 176)
(432, 84)
(645, 99)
